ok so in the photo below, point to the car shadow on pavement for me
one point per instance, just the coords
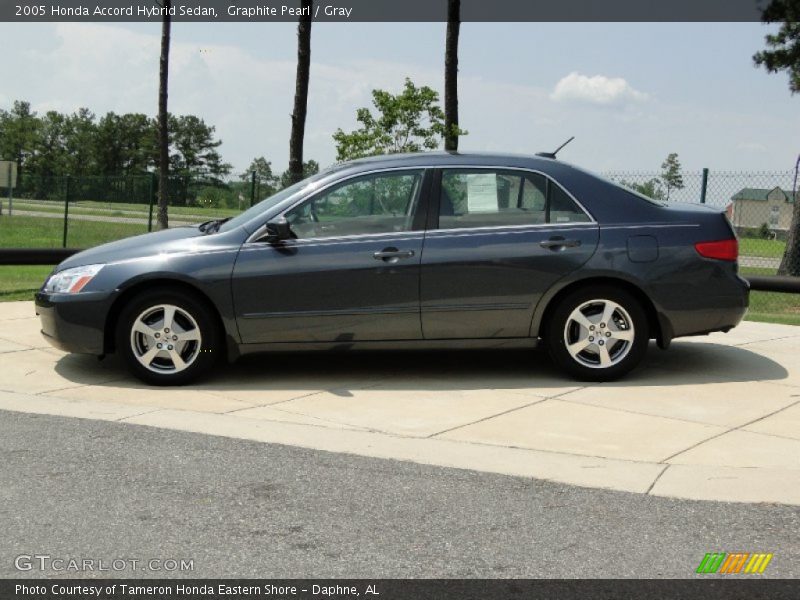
(685, 363)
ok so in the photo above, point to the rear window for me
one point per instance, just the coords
(620, 186)
(638, 195)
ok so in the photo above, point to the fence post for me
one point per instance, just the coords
(10, 192)
(252, 188)
(66, 211)
(704, 186)
(152, 194)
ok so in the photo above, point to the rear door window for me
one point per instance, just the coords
(489, 198)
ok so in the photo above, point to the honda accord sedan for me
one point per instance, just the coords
(432, 250)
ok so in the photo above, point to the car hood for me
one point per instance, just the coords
(167, 241)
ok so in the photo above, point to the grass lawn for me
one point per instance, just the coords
(761, 247)
(41, 232)
(774, 307)
(173, 210)
(122, 209)
(771, 307)
(21, 282)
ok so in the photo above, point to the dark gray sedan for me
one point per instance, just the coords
(409, 251)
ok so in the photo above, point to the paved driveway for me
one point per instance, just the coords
(714, 417)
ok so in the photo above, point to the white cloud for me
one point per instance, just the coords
(597, 89)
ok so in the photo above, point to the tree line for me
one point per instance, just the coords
(81, 144)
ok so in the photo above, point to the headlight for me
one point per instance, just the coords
(71, 281)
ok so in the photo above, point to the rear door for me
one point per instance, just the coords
(351, 274)
(499, 239)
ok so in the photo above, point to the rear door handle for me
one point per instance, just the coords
(555, 243)
(392, 254)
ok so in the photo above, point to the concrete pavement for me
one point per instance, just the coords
(714, 418)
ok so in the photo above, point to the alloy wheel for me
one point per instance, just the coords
(165, 339)
(599, 334)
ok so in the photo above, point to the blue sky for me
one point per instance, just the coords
(631, 93)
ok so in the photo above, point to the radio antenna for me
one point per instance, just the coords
(556, 151)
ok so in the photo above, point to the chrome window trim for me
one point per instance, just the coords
(591, 222)
(651, 225)
(506, 229)
(345, 239)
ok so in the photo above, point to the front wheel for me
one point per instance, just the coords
(598, 333)
(167, 337)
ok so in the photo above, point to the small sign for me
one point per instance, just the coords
(482, 193)
(8, 167)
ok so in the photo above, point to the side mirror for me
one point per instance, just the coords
(278, 229)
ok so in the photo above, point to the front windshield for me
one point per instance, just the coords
(268, 203)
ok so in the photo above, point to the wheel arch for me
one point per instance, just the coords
(112, 318)
(658, 324)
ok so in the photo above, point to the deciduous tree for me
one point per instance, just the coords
(310, 168)
(410, 121)
(267, 181)
(671, 173)
(195, 149)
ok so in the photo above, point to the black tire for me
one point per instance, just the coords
(201, 356)
(622, 355)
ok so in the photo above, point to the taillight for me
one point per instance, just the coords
(721, 249)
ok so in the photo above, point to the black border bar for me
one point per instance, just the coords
(735, 587)
(385, 10)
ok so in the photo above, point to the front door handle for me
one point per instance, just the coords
(392, 254)
(556, 243)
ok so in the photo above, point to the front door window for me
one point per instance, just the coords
(377, 203)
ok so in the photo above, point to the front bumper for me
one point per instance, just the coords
(74, 322)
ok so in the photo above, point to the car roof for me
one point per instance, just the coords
(430, 159)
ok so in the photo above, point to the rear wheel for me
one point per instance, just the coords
(167, 337)
(598, 333)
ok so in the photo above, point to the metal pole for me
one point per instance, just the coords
(704, 187)
(66, 212)
(252, 188)
(10, 191)
(151, 193)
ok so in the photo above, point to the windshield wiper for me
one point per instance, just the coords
(213, 225)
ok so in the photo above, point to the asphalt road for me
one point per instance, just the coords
(77, 489)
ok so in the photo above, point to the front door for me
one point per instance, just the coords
(351, 274)
(503, 238)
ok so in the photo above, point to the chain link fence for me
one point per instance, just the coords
(80, 212)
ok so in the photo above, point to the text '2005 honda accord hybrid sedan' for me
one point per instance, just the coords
(431, 250)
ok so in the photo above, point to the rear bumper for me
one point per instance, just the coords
(714, 313)
(74, 322)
